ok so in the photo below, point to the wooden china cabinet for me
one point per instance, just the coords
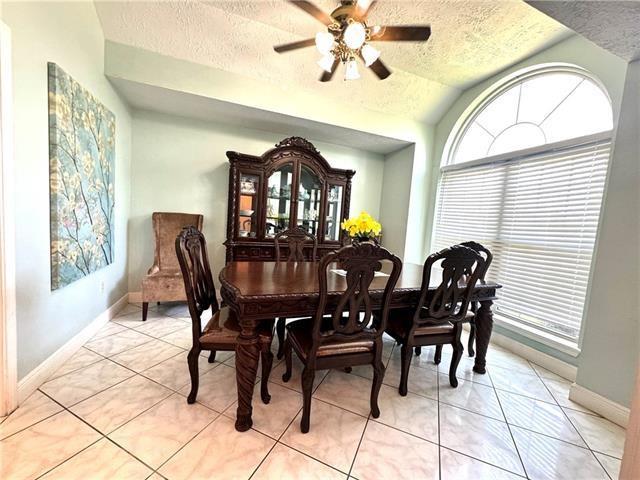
(289, 185)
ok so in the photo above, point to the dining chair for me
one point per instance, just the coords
(343, 331)
(439, 315)
(221, 331)
(488, 258)
(473, 306)
(296, 238)
(163, 281)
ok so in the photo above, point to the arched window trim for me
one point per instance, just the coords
(477, 106)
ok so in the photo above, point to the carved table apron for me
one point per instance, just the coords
(258, 291)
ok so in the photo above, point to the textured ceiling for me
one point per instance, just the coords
(471, 40)
(615, 26)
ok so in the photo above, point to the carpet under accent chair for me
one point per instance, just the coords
(163, 282)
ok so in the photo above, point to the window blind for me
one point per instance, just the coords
(538, 214)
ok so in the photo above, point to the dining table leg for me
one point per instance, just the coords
(247, 356)
(484, 326)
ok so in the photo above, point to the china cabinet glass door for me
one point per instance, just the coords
(279, 200)
(248, 206)
(309, 200)
(333, 213)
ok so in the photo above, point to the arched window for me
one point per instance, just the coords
(524, 173)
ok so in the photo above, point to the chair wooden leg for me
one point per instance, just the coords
(308, 375)
(347, 369)
(192, 360)
(418, 351)
(212, 356)
(438, 356)
(378, 376)
(145, 310)
(267, 362)
(472, 338)
(280, 326)
(286, 376)
(458, 348)
(405, 363)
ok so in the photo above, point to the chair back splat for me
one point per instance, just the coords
(296, 239)
(449, 301)
(485, 252)
(191, 250)
(352, 316)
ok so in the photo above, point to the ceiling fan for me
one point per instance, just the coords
(348, 35)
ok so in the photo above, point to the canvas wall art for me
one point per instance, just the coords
(81, 167)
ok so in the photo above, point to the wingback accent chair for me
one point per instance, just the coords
(163, 282)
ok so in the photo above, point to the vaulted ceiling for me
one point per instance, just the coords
(471, 40)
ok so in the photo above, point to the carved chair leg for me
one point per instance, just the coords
(418, 351)
(472, 338)
(438, 356)
(145, 310)
(267, 362)
(405, 363)
(347, 369)
(280, 326)
(192, 360)
(378, 376)
(286, 376)
(457, 354)
(212, 356)
(308, 375)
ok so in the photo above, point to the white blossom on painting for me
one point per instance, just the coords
(81, 167)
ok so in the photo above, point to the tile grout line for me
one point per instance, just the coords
(524, 468)
(574, 427)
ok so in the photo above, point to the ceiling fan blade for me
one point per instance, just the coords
(314, 11)
(309, 42)
(326, 76)
(363, 7)
(380, 69)
(408, 33)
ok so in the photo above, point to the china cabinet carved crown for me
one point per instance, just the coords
(290, 185)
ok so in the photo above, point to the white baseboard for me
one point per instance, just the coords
(609, 409)
(552, 364)
(42, 372)
(135, 297)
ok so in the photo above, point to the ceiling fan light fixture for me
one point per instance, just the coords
(324, 42)
(351, 72)
(355, 35)
(369, 54)
(326, 62)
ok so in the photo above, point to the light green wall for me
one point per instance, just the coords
(396, 193)
(611, 337)
(180, 165)
(70, 35)
(606, 363)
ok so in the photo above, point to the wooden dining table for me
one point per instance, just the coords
(261, 291)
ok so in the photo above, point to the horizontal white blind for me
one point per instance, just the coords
(538, 215)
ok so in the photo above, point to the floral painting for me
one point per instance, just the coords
(81, 168)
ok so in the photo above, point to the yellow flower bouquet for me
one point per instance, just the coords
(362, 227)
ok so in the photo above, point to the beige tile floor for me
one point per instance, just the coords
(117, 410)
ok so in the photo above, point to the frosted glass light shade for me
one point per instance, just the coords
(351, 72)
(324, 42)
(369, 54)
(355, 35)
(326, 62)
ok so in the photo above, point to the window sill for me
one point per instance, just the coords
(564, 346)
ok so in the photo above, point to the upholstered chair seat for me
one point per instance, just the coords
(399, 324)
(302, 340)
(163, 282)
(223, 329)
